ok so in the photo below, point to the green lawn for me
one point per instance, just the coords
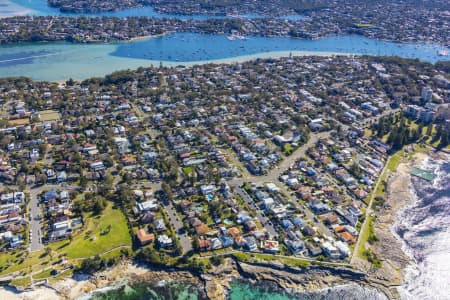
(65, 274)
(188, 170)
(20, 261)
(21, 282)
(288, 149)
(87, 243)
(251, 257)
(295, 262)
(43, 275)
(365, 234)
(91, 240)
(394, 161)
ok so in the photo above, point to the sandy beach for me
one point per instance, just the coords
(146, 37)
(263, 55)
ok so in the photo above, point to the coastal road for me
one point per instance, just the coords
(35, 225)
(368, 212)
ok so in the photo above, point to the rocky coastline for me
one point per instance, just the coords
(389, 248)
(215, 283)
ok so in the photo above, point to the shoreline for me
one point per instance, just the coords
(147, 37)
(400, 196)
(215, 284)
(415, 267)
(390, 247)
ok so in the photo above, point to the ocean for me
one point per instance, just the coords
(240, 290)
(424, 228)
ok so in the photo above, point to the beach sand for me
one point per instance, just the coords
(264, 55)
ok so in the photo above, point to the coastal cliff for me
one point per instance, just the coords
(215, 283)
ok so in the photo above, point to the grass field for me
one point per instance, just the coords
(19, 122)
(395, 160)
(96, 238)
(368, 230)
(49, 115)
(251, 257)
(43, 274)
(21, 282)
(91, 241)
(10, 262)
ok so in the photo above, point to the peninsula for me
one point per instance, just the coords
(400, 21)
(270, 169)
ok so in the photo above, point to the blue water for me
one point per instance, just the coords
(41, 8)
(62, 60)
(424, 227)
(246, 291)
(240, 290)
(187, 47)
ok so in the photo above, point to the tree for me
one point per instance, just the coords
(70, 82)
(92, 265)
(83, 182)
(355, 169)
(49, 252)
(217, 260)
(167, 190)
(99, 205)
(430, 129)
(444, 140)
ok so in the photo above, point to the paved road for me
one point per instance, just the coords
(36, 233)
(178, 225)
(262, 219)
(368, 212)
(290, 160)
(306, 211)
(35, 226)
(274, 176)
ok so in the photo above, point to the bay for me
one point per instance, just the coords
(62, 60)
(41, 8)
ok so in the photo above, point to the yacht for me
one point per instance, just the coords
(442, 52)
(236, 36)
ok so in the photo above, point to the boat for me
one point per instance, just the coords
(442, 52)
(236, 36)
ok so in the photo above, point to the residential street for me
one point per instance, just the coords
(262, 219)
(178, 226)
(35, 226)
